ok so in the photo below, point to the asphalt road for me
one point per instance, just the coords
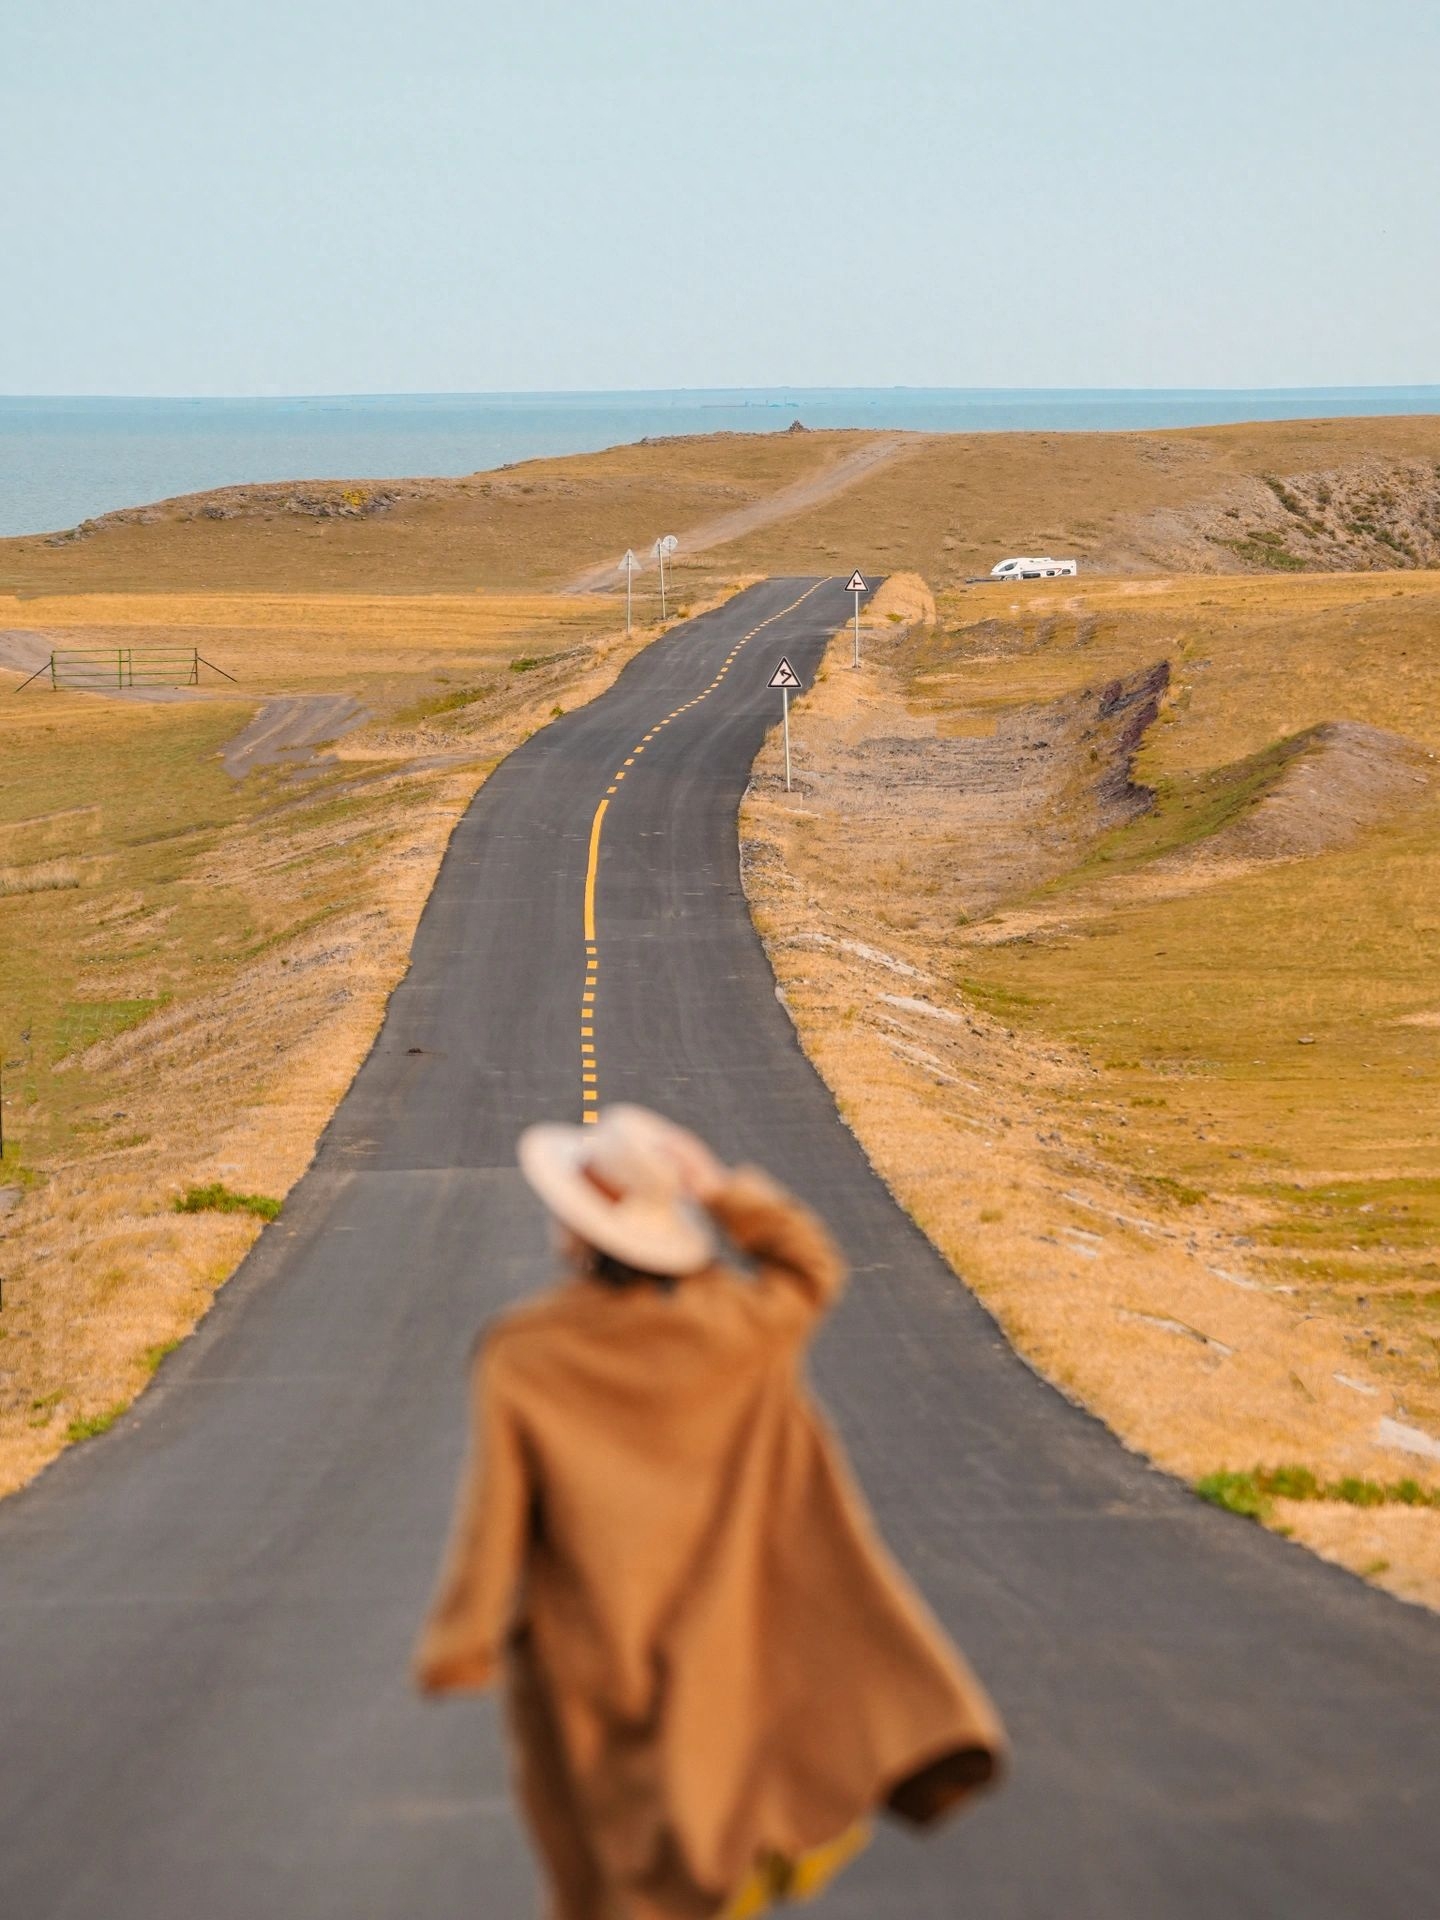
(205, 1617)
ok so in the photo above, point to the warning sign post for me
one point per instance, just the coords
(856, 585)
(785, 678)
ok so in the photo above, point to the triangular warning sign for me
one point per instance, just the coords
(856, 582)
(785, 676)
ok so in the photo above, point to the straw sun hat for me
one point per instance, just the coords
(620, 1185)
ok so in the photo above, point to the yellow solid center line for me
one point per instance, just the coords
(589, 1072)
(592, 868)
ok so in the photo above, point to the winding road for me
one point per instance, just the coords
(205, 1617)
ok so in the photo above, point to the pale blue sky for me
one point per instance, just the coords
(454, 195)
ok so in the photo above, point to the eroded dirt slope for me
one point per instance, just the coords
(1372, 514)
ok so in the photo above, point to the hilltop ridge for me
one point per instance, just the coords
(1274, 496)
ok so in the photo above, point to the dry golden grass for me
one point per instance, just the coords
(194, 966)
(532, 525)
(1068, 1035)
(1202, 498)
(902, 599)
(1118, 501)
(1071, 1041)
(383, 649)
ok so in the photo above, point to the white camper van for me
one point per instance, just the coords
(1042, 569)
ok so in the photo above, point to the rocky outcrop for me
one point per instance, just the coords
(1372, 515)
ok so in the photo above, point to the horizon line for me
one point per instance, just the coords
(781, 389)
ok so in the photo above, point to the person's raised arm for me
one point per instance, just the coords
(798, 1265)
(470, 1616)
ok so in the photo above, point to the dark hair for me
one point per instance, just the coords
(613, 1272)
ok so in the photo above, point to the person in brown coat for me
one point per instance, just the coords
(714, 1672)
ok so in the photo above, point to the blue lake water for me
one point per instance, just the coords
(62, 460)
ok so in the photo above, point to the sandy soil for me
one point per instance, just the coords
(287, 731)
(24, 652)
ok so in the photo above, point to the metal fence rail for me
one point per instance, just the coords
(99, 668)
(114, 669)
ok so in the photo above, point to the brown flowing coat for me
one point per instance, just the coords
(709, 1653)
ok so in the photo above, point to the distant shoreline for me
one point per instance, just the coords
(746, 396)
(68, 458)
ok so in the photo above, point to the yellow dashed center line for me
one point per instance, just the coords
(589, 1066)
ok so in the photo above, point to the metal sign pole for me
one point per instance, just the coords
(662, 549)
(627, 566)
(784, 681)
(856, 585)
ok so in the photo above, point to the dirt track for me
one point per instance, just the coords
(724, 527)
(290, 728)
(23, 652)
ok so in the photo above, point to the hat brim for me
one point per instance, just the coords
(655, 1236)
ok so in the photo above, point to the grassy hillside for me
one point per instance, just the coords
(1277, 497)
(1277, 890)
(195, 960)
(1198, 500)
(535, 524)
(1120, 898)
(1116, 895)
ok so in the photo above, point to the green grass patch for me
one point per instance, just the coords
(1235, 1492)
(1164, 1188)
(1252, 1495)
(81, 1023)
(995, 997)
(439, 704)
(1188, 810)
(153, 1356)
(217, 1198)
(1265, 550)
(138, 918)
(1355, 1215)
(1359, 1275)
(91, 1426)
